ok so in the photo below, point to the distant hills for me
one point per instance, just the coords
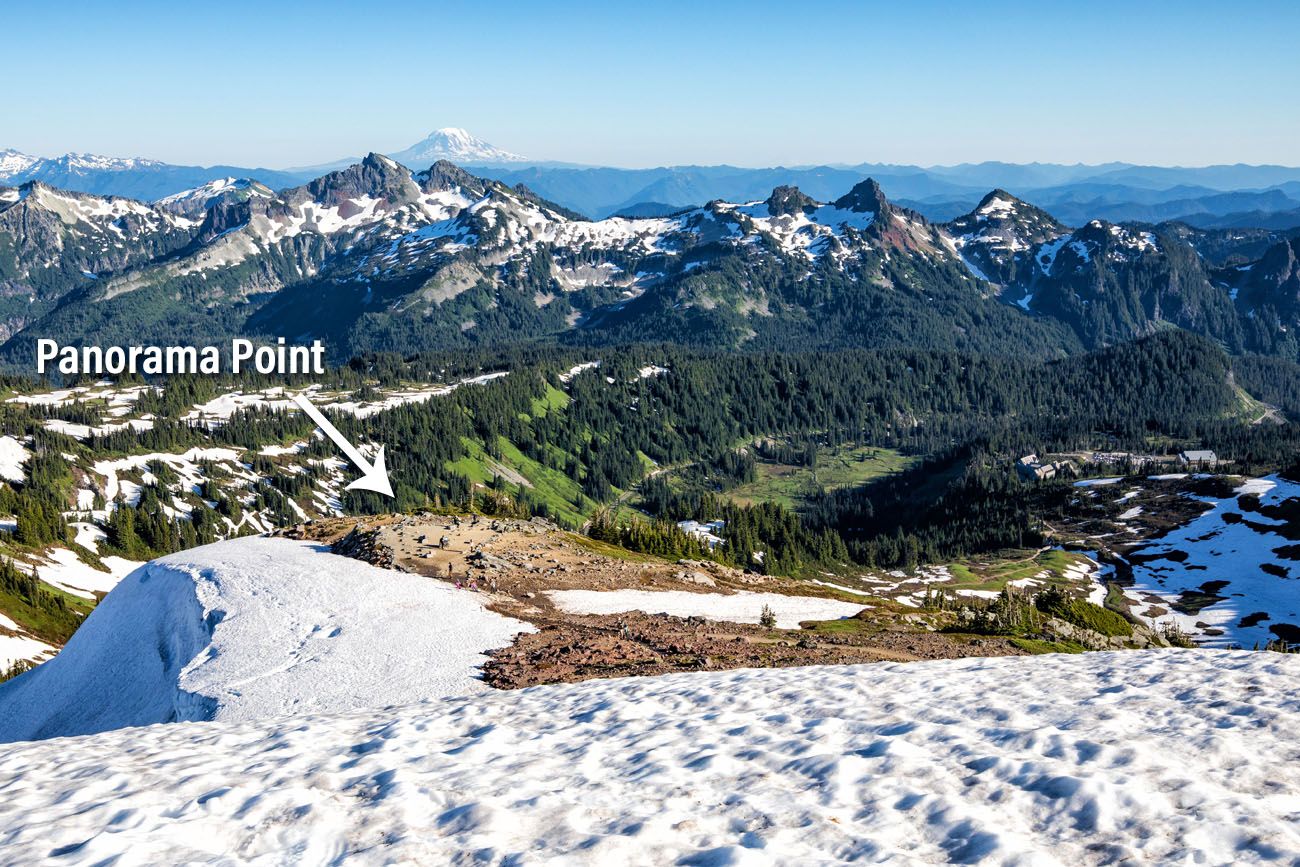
(1221, 196)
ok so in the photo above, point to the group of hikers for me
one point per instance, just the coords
(470, 581)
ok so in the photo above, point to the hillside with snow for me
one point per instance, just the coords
(249, 629)
(1228, 577)
(1155, 758)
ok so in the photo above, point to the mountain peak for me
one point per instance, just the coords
(13, 162)
(866, 197)
(997, 200)
(454, 145)
(788, 200)
(377, 176)
(206, 196)
(446, 175)
(1002, 210)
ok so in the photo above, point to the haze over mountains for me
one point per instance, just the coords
(1224, 196)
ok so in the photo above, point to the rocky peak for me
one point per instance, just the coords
(1278, 269)
(788, 200)
(997, 201)
(223, 215)
(1004, 211)
(865, 198)
(444, 175)
(377, 177)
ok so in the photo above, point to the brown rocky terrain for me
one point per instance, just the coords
(513, 563)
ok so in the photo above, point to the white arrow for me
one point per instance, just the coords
(373, 477)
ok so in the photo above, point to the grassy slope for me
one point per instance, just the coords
(837, 468)
(560, 493)
(995, 573)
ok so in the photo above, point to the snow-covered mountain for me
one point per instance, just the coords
(136, 178)
(1157, 757)
(251, 629)
(201, 198)
(375, 256)
(1001, 227)
(13, 163)
(454, 145)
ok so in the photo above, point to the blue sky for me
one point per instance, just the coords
(279, 84)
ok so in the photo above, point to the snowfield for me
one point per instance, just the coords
(1241, 561)
(1166, 757)
(254, 628)
(734, 608)
(12, 458)
(61, 568)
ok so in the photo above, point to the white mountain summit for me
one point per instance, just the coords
(455, 145)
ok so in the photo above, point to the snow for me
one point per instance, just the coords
(21, 647)
(274, 451)
(1257, 487)
(88, 535)
(1046, 255)
(1231, 550)
(736, 608)
(14, 162)
(1131, 513)
(403, 397)
(84, 431)
(803, 232)
(226, 405)
(63, 569)
(650, 370)
(212, 189)
(1093, 574)
(253, 628)
(568, 375)
(1093, 483)
(1162, 757)
(842, 588)
(277, 398)
(12, 458)
(974, 269)
(185, 465)
(455, 145)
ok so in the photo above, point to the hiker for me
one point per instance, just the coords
(444, 542)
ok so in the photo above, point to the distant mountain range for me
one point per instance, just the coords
(144, 180)
(1224, 196)
(375, 257)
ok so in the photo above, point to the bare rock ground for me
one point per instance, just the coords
(513, 563)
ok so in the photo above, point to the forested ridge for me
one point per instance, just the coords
(605, 434)
(971, 416)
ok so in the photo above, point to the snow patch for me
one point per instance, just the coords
(736, 608)
(253, 628)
